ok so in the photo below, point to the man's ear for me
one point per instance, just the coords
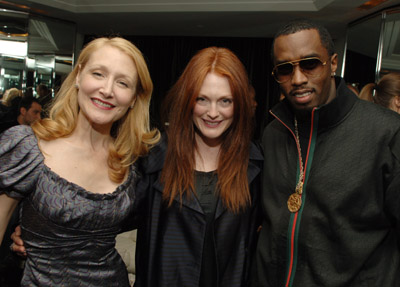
(22, 111)
(334, 61)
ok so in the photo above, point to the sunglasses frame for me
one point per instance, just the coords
(294, 63)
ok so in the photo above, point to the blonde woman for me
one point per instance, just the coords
(76, 169)
(9, 95)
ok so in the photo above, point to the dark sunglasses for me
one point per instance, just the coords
(311, 66)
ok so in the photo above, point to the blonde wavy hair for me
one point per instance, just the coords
(132, 134)
(9, 95)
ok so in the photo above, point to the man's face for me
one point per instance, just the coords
(304, 92)
(31, 115)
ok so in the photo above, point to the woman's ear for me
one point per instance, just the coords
(133, 102)
(77, 76)
(396, 100)
(396, 103)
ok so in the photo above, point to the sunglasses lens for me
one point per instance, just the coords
(284, 70)
(310, 65)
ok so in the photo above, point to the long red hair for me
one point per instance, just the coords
(178, 172)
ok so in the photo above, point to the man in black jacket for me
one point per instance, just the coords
(28, 108)
(331, 191)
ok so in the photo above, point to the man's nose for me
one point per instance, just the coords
(298, 76)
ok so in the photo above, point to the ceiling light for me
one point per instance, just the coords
(13, 48)
(370, 4)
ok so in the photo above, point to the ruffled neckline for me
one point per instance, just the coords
(89, 194)
(81, 190)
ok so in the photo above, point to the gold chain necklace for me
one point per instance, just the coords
(294, 201)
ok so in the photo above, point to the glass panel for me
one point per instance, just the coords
(391, 44)
(48, 36)
(51, 44)
(13, 49)
(12, 73)
(362, 51)
(44, 71)
(63, 66)
(34, 50)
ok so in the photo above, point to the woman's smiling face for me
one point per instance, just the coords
(213, 111)
(107, 86)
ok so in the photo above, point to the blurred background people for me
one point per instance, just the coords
(28, 111)
(9, 105)
(29, 92)
(385, 93)
(44, 94)
(9, 95)
(354, 88)
(9, 108)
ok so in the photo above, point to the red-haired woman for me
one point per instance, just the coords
(201, 224)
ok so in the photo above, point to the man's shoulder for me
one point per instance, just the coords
(376, 114)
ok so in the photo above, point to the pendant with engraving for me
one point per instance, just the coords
(294, 202)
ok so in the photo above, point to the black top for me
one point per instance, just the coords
(170, 239)
(205, 183)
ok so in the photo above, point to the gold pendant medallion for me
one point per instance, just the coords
(294, 202)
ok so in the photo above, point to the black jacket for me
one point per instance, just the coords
(347, 231)
(170, 239)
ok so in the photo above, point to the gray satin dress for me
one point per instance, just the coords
(69, 233)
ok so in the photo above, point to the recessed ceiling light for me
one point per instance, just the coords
(370, 4)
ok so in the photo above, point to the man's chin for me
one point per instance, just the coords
(302, 112)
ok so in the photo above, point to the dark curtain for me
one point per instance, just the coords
(167, 57)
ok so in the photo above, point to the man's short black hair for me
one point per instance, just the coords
(305, 24)
(26, 102)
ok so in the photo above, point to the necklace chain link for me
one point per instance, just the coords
(294, 202)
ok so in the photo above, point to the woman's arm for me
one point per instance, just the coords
(7, 206)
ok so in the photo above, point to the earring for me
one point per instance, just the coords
(333, 74)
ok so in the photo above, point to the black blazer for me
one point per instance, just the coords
(170, 239)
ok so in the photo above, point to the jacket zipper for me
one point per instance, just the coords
(295, 218)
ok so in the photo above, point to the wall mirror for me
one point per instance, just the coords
(13, 49)
(362, 51)
(391, 44)
(34, 50)
(372, 48)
